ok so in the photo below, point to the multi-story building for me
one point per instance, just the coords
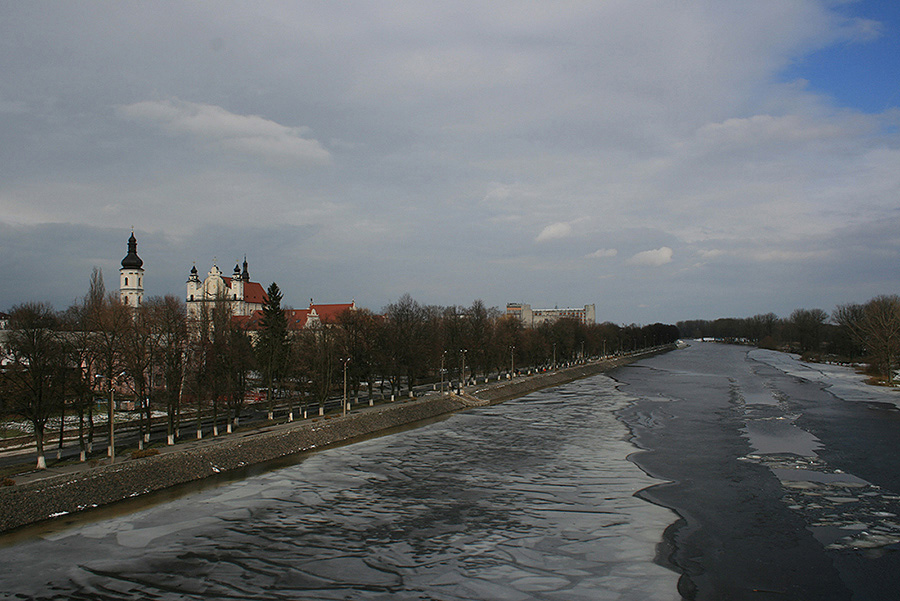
(532, 318)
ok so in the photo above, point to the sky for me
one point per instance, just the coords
(663, 160)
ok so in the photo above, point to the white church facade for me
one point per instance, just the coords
(240, 295)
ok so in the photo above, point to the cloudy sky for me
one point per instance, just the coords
(663, 159)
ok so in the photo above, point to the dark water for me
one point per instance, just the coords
(768, 479)
(532, 499)
(786, 476)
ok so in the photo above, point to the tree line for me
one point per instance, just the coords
(60, 363)
(855, 332)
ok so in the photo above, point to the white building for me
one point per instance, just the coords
(131, 276)
(532, 318)
(242, 296)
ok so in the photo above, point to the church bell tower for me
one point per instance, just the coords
(131, 276)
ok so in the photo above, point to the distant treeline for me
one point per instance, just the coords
(868, 332)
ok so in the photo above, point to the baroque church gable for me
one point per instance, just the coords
(241, 295)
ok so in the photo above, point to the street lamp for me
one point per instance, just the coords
(344, 404)
(512, 360)
(443, 354)
(554, 355)
(462, 374)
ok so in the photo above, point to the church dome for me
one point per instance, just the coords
(132, 260)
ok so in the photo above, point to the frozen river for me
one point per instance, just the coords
(532, 499)
(786, 475)
(769, 479)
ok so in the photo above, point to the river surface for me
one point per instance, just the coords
(786, 475)
(712, 472)
(531, 499)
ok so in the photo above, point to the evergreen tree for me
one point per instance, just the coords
(272, 344)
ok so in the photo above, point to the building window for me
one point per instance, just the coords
(126, 281)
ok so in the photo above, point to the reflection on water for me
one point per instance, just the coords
(532, 499)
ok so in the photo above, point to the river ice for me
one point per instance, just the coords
(532, 499)
(843, 511)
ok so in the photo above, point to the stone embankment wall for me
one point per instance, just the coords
(65, 494)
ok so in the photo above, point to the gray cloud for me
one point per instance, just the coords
(454, 151)
(244, 133)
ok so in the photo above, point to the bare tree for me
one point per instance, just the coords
(168, 323)
(137, 353)
(876, 327)
(317, 359)
(358, 331)
(407, 337)
(78, 339)
(806, 328)
(37, 370)
(109, 321)
(238, 357)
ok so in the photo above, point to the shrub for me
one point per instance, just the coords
(7, 482)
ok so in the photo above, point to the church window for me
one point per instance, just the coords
(126, 281)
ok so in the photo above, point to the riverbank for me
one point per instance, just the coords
(45, 496)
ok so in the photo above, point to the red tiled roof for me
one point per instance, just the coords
(330, 313)
(253, 292)
(296, 318)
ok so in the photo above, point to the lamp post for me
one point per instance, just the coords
(462, 371)
(344, 403)
(443, 354)
(554, 355)
(512, 360)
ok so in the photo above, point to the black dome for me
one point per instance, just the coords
(132, 260)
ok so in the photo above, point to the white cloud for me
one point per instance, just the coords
(603, 253)
(711, 253)
(652, 258)
(555, 231)
(790, 256)
(250, 134)
(760, 129)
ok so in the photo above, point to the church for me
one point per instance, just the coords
(244, 298)
(240, 295)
